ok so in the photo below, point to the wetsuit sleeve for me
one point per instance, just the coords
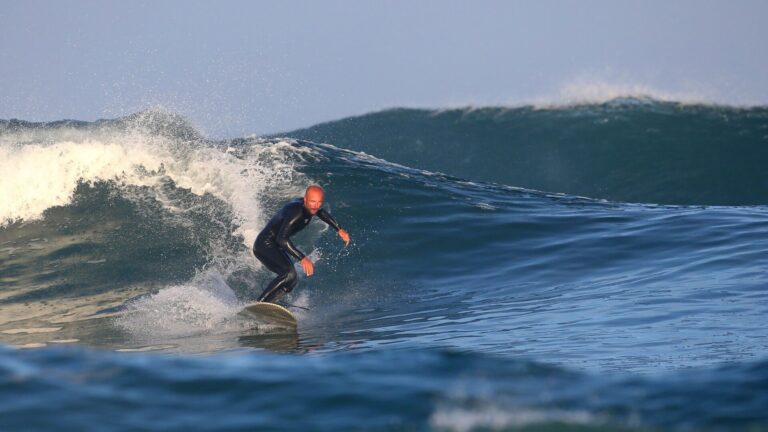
(283, 239)
(327, 218)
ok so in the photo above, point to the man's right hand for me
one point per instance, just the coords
(309, 268)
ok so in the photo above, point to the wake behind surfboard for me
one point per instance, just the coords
(270, 313)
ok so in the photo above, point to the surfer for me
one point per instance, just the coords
(273, 243)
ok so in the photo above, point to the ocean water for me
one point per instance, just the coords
(630, 149)
(628, 293)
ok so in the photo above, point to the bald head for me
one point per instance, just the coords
(314, 189)
(313, 198)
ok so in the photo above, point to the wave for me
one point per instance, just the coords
(93, 214)
(629, 149)
(459, 305)
(48, 161)
(159, 226)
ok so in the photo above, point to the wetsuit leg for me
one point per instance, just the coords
(278, 262)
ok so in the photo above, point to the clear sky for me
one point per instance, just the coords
(242, 67)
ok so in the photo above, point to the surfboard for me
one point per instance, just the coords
(270, 313)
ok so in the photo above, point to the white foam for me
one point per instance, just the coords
(39, 176)
(593, 90)
(32, 330)
(206, 303)
(302, 301)
(41, 169)
(147, 348)
(240, 182)
(495, 418)
(64, 341)
(32, 345)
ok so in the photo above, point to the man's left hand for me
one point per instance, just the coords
(344, 236)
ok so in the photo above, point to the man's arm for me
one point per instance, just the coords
(327, 218)
(284, 241)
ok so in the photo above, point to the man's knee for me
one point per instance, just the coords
(291, 279)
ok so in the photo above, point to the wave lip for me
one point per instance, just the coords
(583, 92)
(44, 162)
(38, 177)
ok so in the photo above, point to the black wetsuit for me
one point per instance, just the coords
(273, 245)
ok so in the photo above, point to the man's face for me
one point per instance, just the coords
(313, 200)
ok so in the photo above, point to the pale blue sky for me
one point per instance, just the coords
(241, 67)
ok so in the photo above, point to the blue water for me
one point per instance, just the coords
(628, 150)
(463, 302)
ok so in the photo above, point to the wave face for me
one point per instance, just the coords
(629, 150)
(459, 305)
